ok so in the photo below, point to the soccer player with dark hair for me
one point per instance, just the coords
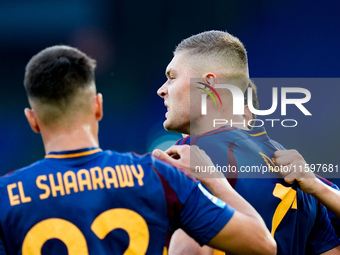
(82, 200)
(295, 219)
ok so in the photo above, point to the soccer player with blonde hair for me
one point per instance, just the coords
(201, 63)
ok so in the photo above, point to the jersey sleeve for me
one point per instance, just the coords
(197, 212)
(204, 215)
(322, 237)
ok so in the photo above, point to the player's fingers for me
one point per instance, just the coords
(163, 156)
(289, 180)
(284, 170)
(290, 159)
(290, 153)
(172, 150)
(178, 150)
(284, 160)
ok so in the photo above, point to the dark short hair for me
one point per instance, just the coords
(55, 73)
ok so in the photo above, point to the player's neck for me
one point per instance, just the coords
(83, 136)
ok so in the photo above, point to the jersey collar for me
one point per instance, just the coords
(258, 132)
(73, 153)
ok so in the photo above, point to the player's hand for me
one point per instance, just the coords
(190, 159)
(295, 168)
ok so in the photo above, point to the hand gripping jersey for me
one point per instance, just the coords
(93, 202)
(296, 220)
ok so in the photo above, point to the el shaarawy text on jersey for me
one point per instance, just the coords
(90, 201)
(298, 223)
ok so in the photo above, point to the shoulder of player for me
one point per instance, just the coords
(148, 161)
(18, 172)
(16, 176)
(131, 157)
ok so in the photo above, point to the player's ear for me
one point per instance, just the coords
(32, 120)
(99, 106)
(210, 79)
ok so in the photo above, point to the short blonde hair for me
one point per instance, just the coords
(221, 47)
(224, 49)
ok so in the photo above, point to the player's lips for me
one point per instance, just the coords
(167, 107)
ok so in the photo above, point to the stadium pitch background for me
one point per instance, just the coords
(133, 41)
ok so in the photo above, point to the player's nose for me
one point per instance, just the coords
(163, 90)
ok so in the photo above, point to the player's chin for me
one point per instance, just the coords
(172, 126)
(167, 124)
